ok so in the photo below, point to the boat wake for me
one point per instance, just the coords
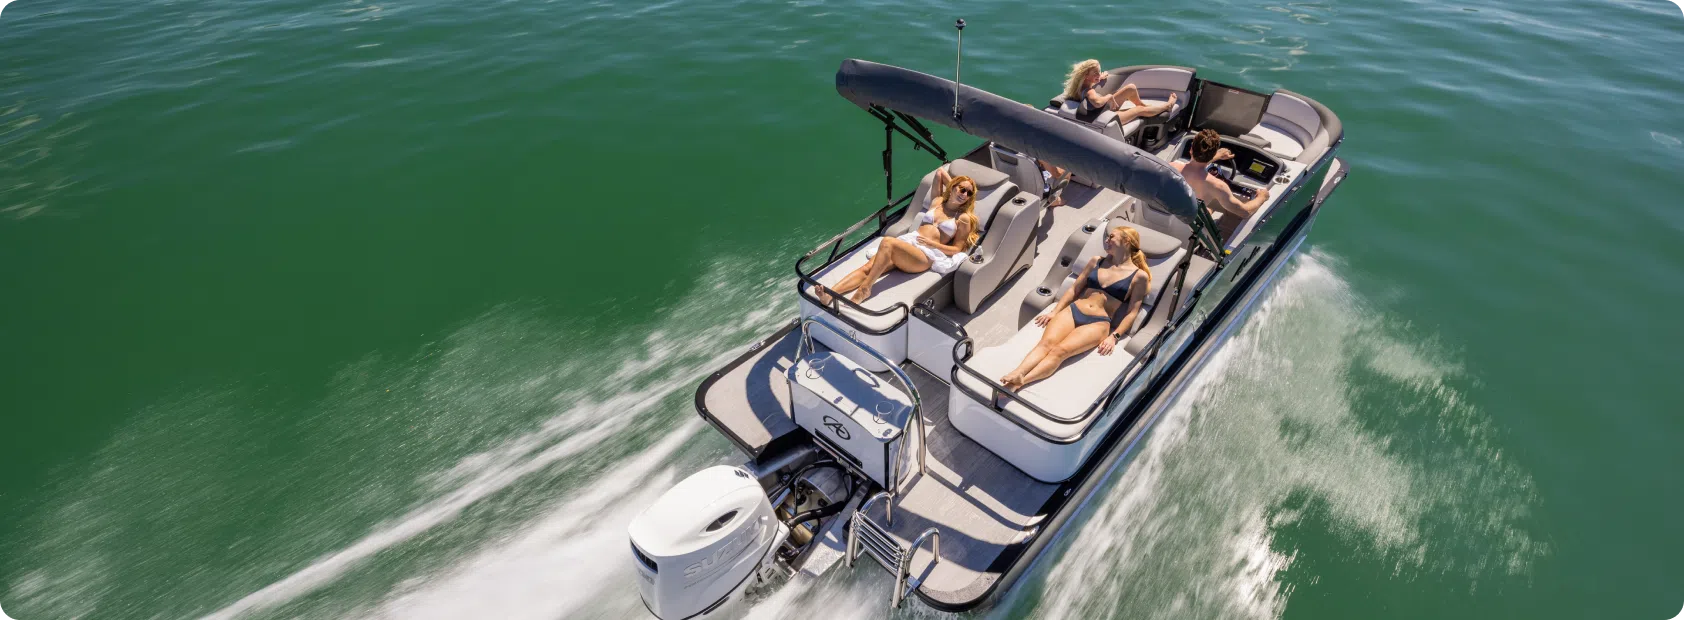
(564, 555)
(1317, 420)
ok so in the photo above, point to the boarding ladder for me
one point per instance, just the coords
(866, 536)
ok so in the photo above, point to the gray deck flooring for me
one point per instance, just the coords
(752, 400)
(979, 502)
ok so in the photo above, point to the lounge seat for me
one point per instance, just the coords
(886, 333)
(1297, 128)
(1162, 252)
(1056, 447)
(1155, 82)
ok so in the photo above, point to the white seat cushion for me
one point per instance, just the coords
(1066, 394)
(1284, 141)
(896, 286)
(1295, 111)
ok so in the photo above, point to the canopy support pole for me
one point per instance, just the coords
(1205, 230)
(922, 142)
(889, 161)
(958, 63)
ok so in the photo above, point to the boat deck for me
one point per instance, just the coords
(981, 504)
(749, 400)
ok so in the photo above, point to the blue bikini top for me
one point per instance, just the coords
(1121, 294)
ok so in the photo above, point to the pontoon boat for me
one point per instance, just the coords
(878, 430)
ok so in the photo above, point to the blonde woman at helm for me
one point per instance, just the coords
(1111, 281)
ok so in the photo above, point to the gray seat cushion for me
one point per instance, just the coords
(990, 185)
(1156, 244)
(896, 286)
(1066, 394)
(984, 176)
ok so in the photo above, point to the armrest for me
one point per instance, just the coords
(1052, 285)
(999, 254)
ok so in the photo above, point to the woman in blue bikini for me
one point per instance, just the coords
(1119, 278)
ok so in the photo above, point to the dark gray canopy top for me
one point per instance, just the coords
(1103, 160)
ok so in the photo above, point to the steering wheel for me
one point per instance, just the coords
(1222, 169)
(1225, 171)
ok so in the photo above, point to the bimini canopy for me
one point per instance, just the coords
(1101, 159)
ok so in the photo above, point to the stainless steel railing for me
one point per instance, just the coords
(865, 536)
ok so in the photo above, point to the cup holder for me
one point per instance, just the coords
(1043, 290)
(1088, 228)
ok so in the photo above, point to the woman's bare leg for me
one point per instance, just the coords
(1077, 342)
(1058, 174)
(1143, 111)
(1058, 327)
(854, 278)
(893, 253)
(847, 283)
(1131, 93)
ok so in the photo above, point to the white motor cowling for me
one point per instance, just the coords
(703, 542)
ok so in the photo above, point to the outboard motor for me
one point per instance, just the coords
(704, 543)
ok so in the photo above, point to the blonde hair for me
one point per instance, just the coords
(1078, 73)
(968, 217)
(1135, 256)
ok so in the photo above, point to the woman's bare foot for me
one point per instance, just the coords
(1057, 201)
(822, 294)
(1164, 107)
(860, 294)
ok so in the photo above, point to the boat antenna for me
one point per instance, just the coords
(958, 62)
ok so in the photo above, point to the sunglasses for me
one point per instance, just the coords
(966, 190)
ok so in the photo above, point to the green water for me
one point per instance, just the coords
(363, 309)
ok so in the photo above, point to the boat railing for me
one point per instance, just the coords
(805, 346)
(809, 276)
(866, 536)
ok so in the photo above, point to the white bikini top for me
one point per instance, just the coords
(947, 228)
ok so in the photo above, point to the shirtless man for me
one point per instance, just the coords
(1207, 148)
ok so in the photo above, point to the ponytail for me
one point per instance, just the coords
(1136, 256)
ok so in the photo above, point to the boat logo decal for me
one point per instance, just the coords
(836, 427)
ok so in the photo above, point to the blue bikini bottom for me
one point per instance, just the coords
(1083, 318)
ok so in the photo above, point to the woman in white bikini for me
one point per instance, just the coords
(945, 232)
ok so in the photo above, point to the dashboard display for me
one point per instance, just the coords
(1257, 167)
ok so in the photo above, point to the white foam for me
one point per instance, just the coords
(560, 563)
(323, 570)
(661, 365)
(1187, 529)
